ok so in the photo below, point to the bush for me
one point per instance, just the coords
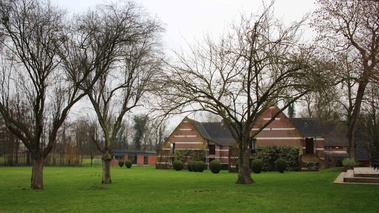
(191, 166)
(200, 166)
(121, 163)
(215, 166)
(269, 154)
(349, 163)
(257, 165)
(280, 165)
(178, 165)
(312, 166)
(128, 164)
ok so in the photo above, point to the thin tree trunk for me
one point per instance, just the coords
(354, 118)
(37, 174)
(352, 145)
(106, 171)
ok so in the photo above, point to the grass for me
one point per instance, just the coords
(145, 189)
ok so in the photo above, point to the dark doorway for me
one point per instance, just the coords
(309, 146)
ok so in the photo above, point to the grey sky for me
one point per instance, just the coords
(188, 19)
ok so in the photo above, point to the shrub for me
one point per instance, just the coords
(191, 166)
(349, 163)
(215, 166)
(312, 166)
(257, 165)
(128, 164)
(194, 155)
(200, 166)
(121, 163)
(280, 165)
(269, 154)
(178, 165)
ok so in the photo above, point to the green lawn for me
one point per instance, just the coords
(145, 189)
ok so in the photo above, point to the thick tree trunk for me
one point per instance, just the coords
(37, 174)
(106, 171)
(244, 172)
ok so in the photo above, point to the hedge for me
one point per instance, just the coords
(194, 155)
(269, 154)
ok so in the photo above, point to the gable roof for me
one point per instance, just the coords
(216, 132)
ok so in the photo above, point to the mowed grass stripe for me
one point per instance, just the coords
(146, 189)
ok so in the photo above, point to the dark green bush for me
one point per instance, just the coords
(128, 164)
(269, 154)
(215, 166)
(121, 163)
(312, 166)
(280, 165)
(257, 165)
(200, 166)
(191, 166)
(178, 165)
(194, 155)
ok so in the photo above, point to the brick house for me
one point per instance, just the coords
(216, 142)
(138, 157)
(213, 138)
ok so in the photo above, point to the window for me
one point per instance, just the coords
(172, 148)
(212, 149)
(252, 145)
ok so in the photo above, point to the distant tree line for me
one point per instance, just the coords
(76, 142)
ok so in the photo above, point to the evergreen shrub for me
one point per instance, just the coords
(257, 165)
(312, 166)
(215, 166)
(200, 166)
(280, 165)
(191, 166)
(178, 165)
(269, 154)
(121, 163)
(128, 164)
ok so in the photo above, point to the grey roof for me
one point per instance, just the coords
(307, 127)
(133, 152)
(216, 132)
(334, 133)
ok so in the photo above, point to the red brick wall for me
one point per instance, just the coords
(151, 160)
(140, 160)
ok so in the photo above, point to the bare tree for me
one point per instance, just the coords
(258, 65)
(121, 43)
(33, 34)
(368, 127)
(351, 28)
(140, 129)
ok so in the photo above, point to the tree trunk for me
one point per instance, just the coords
(37, 174)
(352, 147)
(106, 171)
(354, 117)
(244, 172)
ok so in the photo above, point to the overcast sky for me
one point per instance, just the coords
(185, 20)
